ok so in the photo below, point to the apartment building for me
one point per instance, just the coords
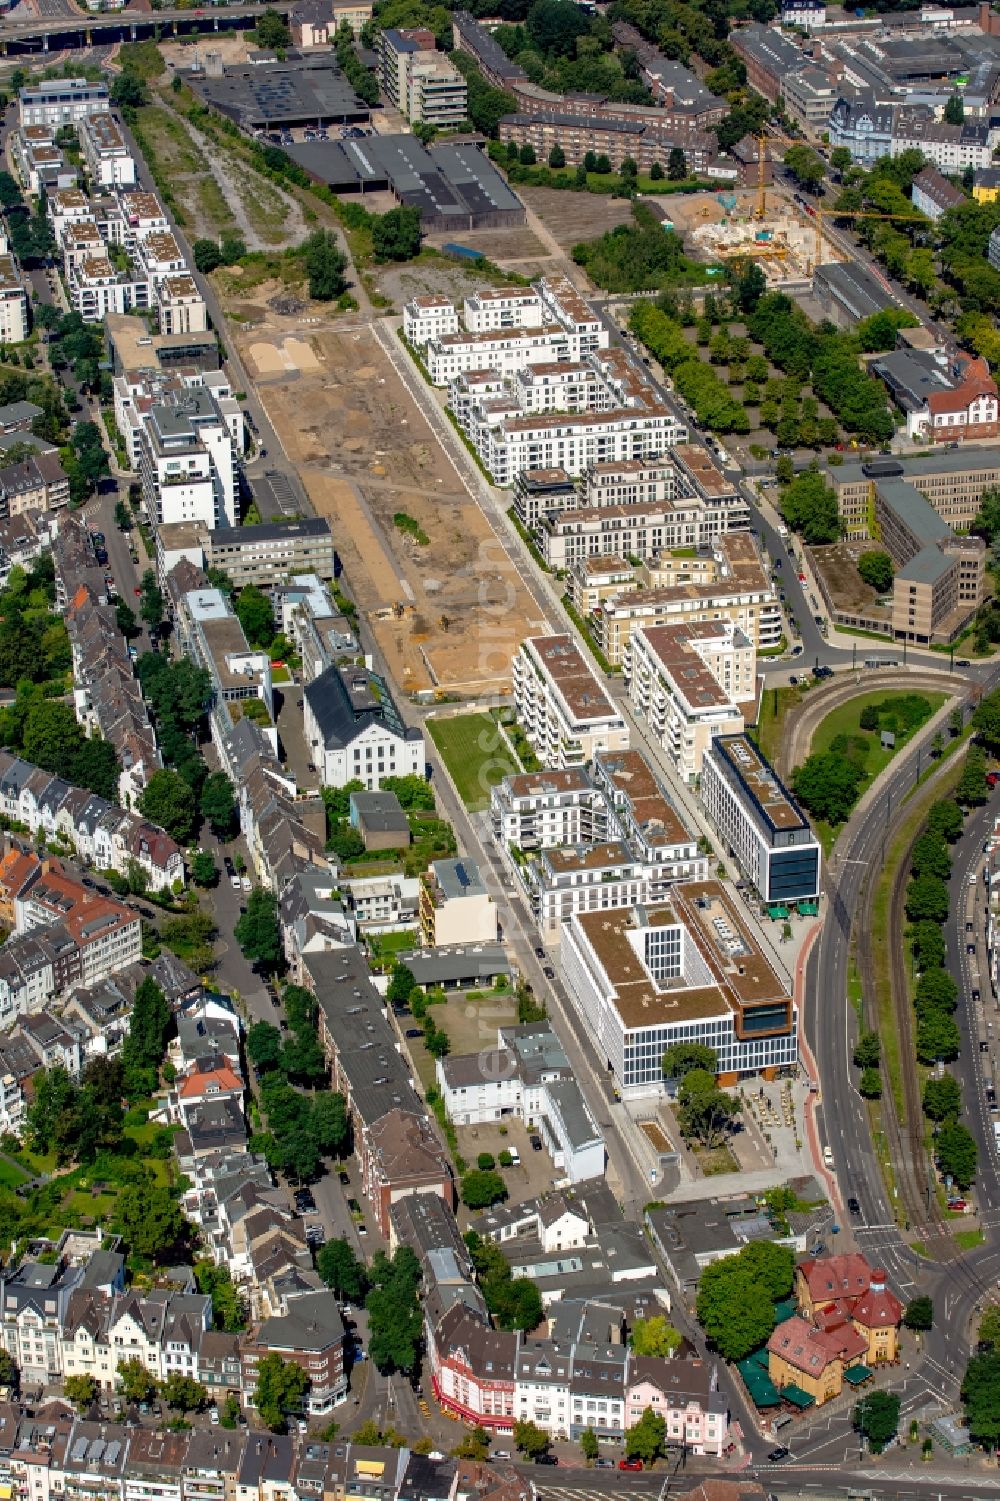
(933, 194)
(947, 398)
(211, 633)
(455, 904)
(727, 583)
(13, 303)
(770, 59)
(31, 487)
(574, 441)
(688, 970)
(191, 443)
(419, 81)
(354, 729)
(497, 308)
(61, 101)
(546, 809)
(690, 683)
(527, 1077)
(760, 822)
(180, 307)
(272, 550)
(106, 934)
(110, 164)
(953, 148)
(646, 136)
(429, 317)
(564, 710)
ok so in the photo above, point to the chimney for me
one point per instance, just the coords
(877, 1280)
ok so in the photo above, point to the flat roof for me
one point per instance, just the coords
(573, 676)
(300, 89)
(760, 780)
(968, 458)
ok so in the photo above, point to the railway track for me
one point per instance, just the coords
(906, 1138)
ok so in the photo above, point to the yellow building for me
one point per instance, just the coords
(986, 185)
(829, 1288)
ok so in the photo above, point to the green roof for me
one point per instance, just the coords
(797, 1396)
(855, 1374)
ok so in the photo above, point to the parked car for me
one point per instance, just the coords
(546, 1459)
(778, 1454)
(630, 1464)
(853, 1205)
(548, 972)
(536, 1143)
(515, 1157)
(246, 882)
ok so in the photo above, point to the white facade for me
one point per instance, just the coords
(13, 303)
(502, 308)
(61, 101)
(427, 318)
(574, 441)
(109, 161)
(641, 982)
(688, 682)
(564, 710)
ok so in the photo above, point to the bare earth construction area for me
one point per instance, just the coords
(448, 612)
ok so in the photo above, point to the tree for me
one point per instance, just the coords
(264, 1045)
(986, 721)
(981, 1398)
(945, 818)
(207, 256)
(479, 1190)
(10, 1376)
(645, 1439)
(876, 570)
(229, 1310)
(930, 856)
(396, 235)
(840, 159)
(937, 1039)
(258, 932)
(204, 871)
(557, 157)
(654, 1336)
(805, 166)
(280, 1390)
(526, 155)
(919, 1313)
(218, 803)
(51, 1116)
(676, 165)
(957, 1153)
(870, 1084)
(927, 897)
(402, 984)
(876, 1416)
(734, 1308)
(183, 1393)
(272, 31)
(149, 1026)
(150, 599)
(125, 619)
(230, 1412)
(589, 1446)
(129, 91)
(655, 172)
(52, 737)
(341, 1270)
(254, 611)
(936, 991)
(927, 941)
(703, 1109)
(395, 1317)
(167, 800)
(329, 1123)
(474, 1445)
(810, 507)
(81, 1391)
(954, 110)
(530, 1440)
(867, 1051)
(681, 1057)
(150, 1221)
(770, 1265)
(989, 1325)
(325, 264)
(135, 1381)
(973, 788)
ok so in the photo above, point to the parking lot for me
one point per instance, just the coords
(290, 136)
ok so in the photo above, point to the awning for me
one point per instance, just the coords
(808, 909)
(777, 912)
(856, 1374)
(797, 1396)
(763, 1392)
(784, 1310)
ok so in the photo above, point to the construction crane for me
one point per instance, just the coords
(847, 213)
(763, 139)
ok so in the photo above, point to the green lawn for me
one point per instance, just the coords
(845, 720)
(476, 757)
(11, 1176)
(384, 947)
(968, 1240)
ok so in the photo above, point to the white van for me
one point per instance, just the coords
(828, 1156)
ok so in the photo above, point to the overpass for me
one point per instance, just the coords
(36, 35)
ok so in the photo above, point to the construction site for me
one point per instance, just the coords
(781, 236)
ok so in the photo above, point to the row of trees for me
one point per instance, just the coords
(302, 1128)
(935, 997)
(713, 404)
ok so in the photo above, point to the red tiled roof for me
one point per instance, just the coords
(219, 1078)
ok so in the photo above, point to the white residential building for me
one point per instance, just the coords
(760, 822)
(61, 101)
(180, 306)
(689, 682)
(354, 730)
(13, 303)
(566, 713)
(110, 164)
(429, 317)
(189, 458)
(574, 441)
(690, 970)
(503, 308)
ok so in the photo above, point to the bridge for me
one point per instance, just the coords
(36, 35)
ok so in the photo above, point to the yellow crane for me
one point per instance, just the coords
(847, 213)
(763, 140)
